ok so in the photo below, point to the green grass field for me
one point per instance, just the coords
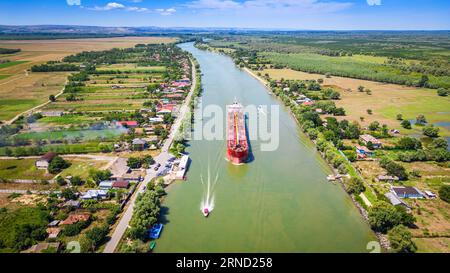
(10, 108)
(85, 135)
(67, 120)
(2, 77)
(9, 64)
(21, 169)
(360, 67)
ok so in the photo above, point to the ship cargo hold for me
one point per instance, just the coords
(237, 142)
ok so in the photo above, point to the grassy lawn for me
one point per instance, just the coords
(67, 120)
(132, 67)
(22, 169)
(432, 245)
(80, 167)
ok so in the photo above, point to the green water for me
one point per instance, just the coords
(280, 202)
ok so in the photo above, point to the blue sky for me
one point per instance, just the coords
(274, 14)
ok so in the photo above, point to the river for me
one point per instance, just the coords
(280, 202)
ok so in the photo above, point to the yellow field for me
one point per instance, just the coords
(386, 101)
(22, 90)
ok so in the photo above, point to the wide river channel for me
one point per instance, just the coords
(279, 202)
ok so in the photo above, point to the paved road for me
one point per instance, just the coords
(161, 159)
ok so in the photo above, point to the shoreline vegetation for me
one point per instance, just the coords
(368, 200)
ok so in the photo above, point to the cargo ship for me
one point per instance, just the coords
(237, 142)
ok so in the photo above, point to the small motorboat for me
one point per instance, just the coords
(206, 212)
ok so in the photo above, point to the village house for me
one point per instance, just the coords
(138, 144)
(75, 218)
(387, 178)
(72, 204)
(368, 138)
(44, 162)
(127, 124)
(95, 195)
(52, 114)
(156, 120)
(122, 184)
(53, 232)
(362, 152)
(407, 192)
(395, 201)
(105, 185)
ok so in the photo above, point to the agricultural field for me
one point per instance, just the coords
(386, 100)
(22, 169)
(399, 58)
(21, 90)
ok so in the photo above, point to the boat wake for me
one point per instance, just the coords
(208, 200)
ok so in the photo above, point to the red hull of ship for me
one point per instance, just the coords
(237, 144)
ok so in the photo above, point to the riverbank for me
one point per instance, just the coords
(382, 239)
(119, 233)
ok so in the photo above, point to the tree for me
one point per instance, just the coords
(439, 143)
(396, 169)
(421, 120)
(57, 165)
(98, 175)
(369, 111)
(61, 181)
(134, 163)
(383, 217)
(76, 181)
(423, 81)
(370, 146)
(95, 237)
(52, 98)
(400, 239)
(399, 117)
(361, 88)
(442, 92)
(444, 193)
(431, 131)
(355, 186)
(68, 194)
(374, 126)
(406, 124)
(409, 143)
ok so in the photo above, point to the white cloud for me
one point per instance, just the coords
(270, 5)
(118, 6)
(166, 12)
(73, 2)
(374, 2)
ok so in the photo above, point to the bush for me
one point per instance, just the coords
(444, 193)
(21, 228)
(351, 155)
(442, 92)
(355, 186)
(383, 217)
(406, 124)
(61, 181)
(439, 143)
(431, 131)
(76, 181)
(400, 239)
(75, 229)
(409, 143)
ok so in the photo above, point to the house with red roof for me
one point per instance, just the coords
(128, 124)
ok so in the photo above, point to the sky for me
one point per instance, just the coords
(263, 14)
